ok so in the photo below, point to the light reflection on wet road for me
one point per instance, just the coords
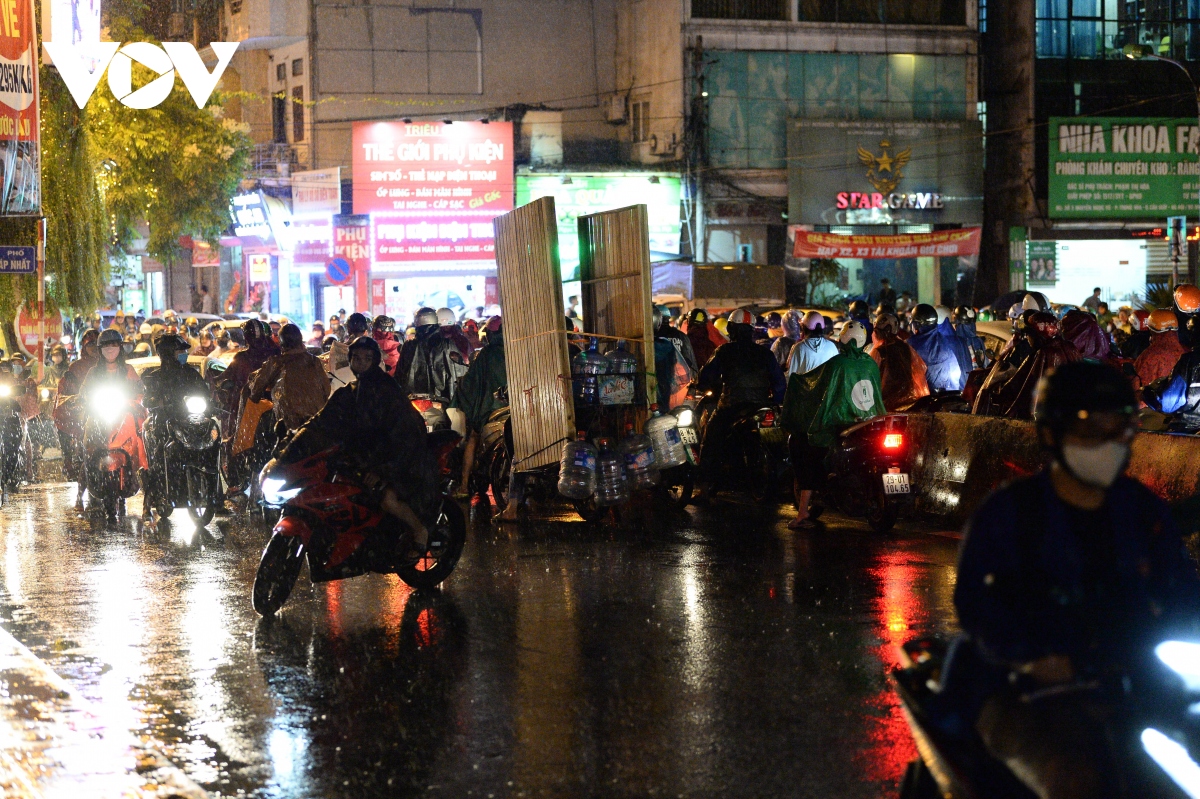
(702, 655)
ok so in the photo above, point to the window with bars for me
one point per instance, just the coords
(298, 114)
(885, 12)
(779, 10)
(1101, 28)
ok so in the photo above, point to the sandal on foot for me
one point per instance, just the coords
(802, 524)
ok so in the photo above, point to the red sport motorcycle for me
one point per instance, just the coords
(329, 517)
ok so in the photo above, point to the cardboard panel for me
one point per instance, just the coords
(535, 338)
(614, 264)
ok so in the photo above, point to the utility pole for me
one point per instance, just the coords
(1008, 80)
(696, 152)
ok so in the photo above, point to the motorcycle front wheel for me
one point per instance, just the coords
(202, 492)
(446, 541)
(277, 573)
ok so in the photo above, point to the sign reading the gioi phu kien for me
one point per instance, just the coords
(1122, 167)
(20, 184)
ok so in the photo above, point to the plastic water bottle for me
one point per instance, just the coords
(663, 430)
(612, 486)
(577, 469)
(585, 368)
(639, 459)
(621, 361)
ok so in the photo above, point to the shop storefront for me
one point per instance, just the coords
(262, 231)
(879, 179)
(1112, 183)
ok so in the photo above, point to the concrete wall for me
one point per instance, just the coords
(460, 60)
(650, 68)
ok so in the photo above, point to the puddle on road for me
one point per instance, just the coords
(690, 655)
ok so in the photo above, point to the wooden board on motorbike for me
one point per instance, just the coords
(243, 439)
(614, 266)
(535, 336)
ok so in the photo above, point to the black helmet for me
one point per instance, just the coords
(698, 315)
(963, 314)
(328, 342)
(425, 317)
(255, 330)
(357, 324)
(884, 307)
(858, 309)
(659, 315)
(168, 344)
(924, 317)
(110, 337)
(1074, 390)
(367, 343)
(383, 324)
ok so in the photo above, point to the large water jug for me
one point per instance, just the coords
(586, 368)
(612, 486)
(639, 459)
(577, 469)
(663, 430)
(621, 361)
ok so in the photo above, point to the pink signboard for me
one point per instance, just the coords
(432, 189)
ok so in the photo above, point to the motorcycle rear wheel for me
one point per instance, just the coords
(759, 474)
(882, 517)
(202, 506)
(446, 542)
(277, 573)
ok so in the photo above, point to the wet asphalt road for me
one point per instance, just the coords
(712, 653)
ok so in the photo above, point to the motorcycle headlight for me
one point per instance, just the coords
(5, 390)
(108, 403)
(1183, 658)
(274, 493)
(196, 405)
(1173, 758)
(686, 417)
(45, 392)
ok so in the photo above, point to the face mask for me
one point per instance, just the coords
(1097, 466)
(17, 368)
(181, 357)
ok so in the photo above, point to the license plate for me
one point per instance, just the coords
(688, 435)
(773, 435)
(895, 484)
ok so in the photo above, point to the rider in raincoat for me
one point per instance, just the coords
(947, 357)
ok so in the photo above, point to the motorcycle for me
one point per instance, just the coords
(114, 452)
(1156, 734)
(677, 484)
(328, 518)
(757, 451)
(432, 411)
(871, 468)
(184, 460)
(13, 434)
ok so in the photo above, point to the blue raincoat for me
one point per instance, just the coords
(966, 331)
(947, 357)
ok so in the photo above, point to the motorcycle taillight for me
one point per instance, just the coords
(768, 419)
(893, 441)
(422, 405)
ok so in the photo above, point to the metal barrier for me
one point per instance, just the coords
(962, 458)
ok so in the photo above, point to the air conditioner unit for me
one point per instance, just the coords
(617, 112)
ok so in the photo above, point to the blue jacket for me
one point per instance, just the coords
(947, 357)
(1023, 589)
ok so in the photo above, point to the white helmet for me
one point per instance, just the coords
(446, 317)
(1030, 303)
(943, 313)
(854, 331)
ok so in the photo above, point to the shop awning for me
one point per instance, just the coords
(963, 241)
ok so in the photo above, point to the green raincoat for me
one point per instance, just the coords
(841, 392)
(476, 396)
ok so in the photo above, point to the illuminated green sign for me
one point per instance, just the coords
(577, 195)
(1122, 167)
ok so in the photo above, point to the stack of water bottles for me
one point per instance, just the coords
(586, 368)
(609, 472)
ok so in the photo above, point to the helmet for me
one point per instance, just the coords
(192, 321)
(722, 326)
(884, 307)
(1187, 298)
(370, 345)
(425, 316)
(1030, 303)
(1138, 319)
(446, 317)
(255, 330)
(813, 321)
(740, 317)
(168, 344)
(1162, 320)
(1042, 324)
(168, 315)
(887, 324)
(328, 342)
(89, 337)
(493, 325)
(774, 320)
(854, 331)
(698, 315)
(943, 313)
(1074, 390)
(924, 317)
(58, 349)
(858, 309)
(144, 329)
(963, 314)
(109, 338)
(659, 314)
(383, 324)
(357, 324)
(1015, 311)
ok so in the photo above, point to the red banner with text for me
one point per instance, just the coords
(964, 241)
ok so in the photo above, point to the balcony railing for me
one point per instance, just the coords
(779, 10)
(273, 159)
